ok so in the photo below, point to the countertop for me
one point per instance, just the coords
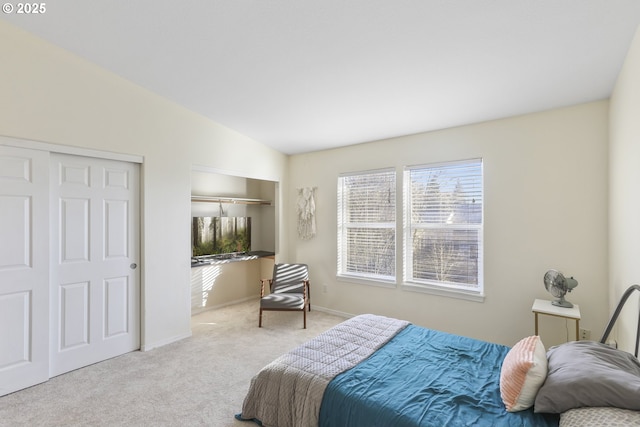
(231, 257)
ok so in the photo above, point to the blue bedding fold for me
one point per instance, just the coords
(424, 377)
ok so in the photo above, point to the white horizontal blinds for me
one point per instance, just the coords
(445, 216)
(366, 220)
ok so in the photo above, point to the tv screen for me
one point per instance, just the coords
(211, 235)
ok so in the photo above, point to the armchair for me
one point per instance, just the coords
(289, 289)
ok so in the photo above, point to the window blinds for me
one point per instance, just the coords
(367, 224)
(444, 215)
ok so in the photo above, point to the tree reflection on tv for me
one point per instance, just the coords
(220, 235)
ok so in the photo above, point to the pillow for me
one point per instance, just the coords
(588, 373)
(523, 371)
(598, 417)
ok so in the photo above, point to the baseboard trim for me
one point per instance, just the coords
(238, 301)
(334, 312)
(195, 311)
(147, 347)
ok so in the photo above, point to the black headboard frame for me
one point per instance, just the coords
(616, 313)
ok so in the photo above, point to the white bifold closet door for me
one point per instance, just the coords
(95, 285)
(24, 268)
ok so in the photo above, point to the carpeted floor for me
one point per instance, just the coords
(199, 381)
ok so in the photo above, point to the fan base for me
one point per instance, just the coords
(562, 303)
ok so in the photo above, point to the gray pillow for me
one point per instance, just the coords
(587, 373)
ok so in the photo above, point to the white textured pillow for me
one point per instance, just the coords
(600, 416)
(523, 372)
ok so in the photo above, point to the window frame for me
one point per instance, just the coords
(451, 289)
(343, 227)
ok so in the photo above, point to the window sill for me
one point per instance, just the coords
(366, 281)
(440, 291)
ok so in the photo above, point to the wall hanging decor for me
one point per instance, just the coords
(306, 207)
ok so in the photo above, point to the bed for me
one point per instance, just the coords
(377, 371)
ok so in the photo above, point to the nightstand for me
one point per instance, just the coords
(542, 306)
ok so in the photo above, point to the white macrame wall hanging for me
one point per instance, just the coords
(306, 207)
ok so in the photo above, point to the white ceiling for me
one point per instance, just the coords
(305, 75)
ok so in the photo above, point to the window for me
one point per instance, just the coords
(367, 225)
(443, 226)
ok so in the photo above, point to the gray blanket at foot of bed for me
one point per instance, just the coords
(288, 391)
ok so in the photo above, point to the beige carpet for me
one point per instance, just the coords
(199, 381)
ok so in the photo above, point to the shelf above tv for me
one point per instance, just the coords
(231, 200)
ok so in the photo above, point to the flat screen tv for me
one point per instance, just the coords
(212, 235)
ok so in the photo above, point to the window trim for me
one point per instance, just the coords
(369, 281)
(440, 290)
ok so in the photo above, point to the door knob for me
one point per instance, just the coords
(133, 266)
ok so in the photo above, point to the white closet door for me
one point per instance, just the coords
(24, 268)
(95, 285)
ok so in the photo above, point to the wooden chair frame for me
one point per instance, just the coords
(306, 306)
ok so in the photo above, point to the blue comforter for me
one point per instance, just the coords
(424, 377)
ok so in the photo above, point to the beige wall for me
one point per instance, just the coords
(50, 95)
(223, 284)
(624, 257)
(546, 193)
(545, 207)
